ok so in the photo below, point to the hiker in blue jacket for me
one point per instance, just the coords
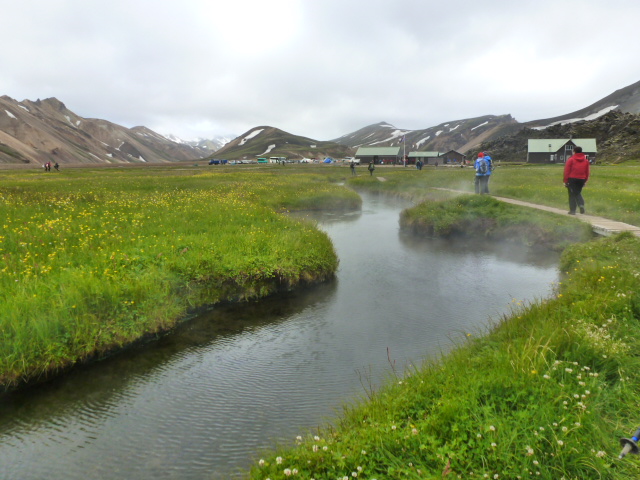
(483, 170)
(489, 172)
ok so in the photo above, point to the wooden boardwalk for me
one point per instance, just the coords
(601, 226)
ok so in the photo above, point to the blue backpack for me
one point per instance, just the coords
(483, 167)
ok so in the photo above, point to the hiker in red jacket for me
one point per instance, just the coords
(576, 174)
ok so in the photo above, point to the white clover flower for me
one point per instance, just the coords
(414, 431)
(315, 448)
(261, 462)
(294, 471)
(494, 445)
(325, 448)
(546, 376)
(535, 462)
(560, 442)
(316, 438)
(279, 460)
(363, 452)
(492, 428)
(529, 451)
(564, 429)
(299, 438)
(287, 472)
(600, 454)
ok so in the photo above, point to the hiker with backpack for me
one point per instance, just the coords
(371, 168)
(483, 171)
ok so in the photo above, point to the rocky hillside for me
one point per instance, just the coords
(272, 142)
(459, 135)
(617, 135)
(625, 100)
(45, 130)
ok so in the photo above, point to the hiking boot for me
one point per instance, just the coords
(582, 210)
(572, 213)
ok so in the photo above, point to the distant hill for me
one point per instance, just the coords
(209, 145)
(626, 100)
(459, 135)
(617, 135)
(45, 130)
(273, 142)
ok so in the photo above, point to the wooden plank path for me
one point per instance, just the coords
(600, 225)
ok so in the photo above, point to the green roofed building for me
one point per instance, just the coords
(378, 155)
(558, 150)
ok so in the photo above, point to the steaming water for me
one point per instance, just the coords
(205, 401)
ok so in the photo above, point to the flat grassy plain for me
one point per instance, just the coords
(95, 259)
(612, 192)
(545, 394)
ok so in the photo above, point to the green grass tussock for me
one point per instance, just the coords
(480, 216)
(545, 395)
(93, 262)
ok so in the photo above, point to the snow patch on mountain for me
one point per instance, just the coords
(481, 125)
(271, 147)
(253, 134)
(593, 116)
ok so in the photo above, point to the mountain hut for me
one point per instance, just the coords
(558, 150)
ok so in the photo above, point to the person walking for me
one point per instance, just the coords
(371, 168)
(482, 174)
(352, 166)
(489, 161)
(576, 174)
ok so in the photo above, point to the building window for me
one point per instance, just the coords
(568, 148)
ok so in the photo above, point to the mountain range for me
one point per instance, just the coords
(33, 132)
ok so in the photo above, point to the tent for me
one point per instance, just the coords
(328, 160)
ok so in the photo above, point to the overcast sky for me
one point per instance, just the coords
(317, 68)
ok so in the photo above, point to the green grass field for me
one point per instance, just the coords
(97, 258)
(94, 259)
(546, 394)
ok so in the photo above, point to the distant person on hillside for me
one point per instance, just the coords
(371, 168)
(576, 174)
(482, 174)
(352, 166)
(56, 166)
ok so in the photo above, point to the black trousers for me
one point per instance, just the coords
(482, 184)
(575, 193)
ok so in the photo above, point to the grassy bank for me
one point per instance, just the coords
(96, 259)
(612, 192)
(545, 395)
(480, 217)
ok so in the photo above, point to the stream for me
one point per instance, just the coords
(205, 401)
